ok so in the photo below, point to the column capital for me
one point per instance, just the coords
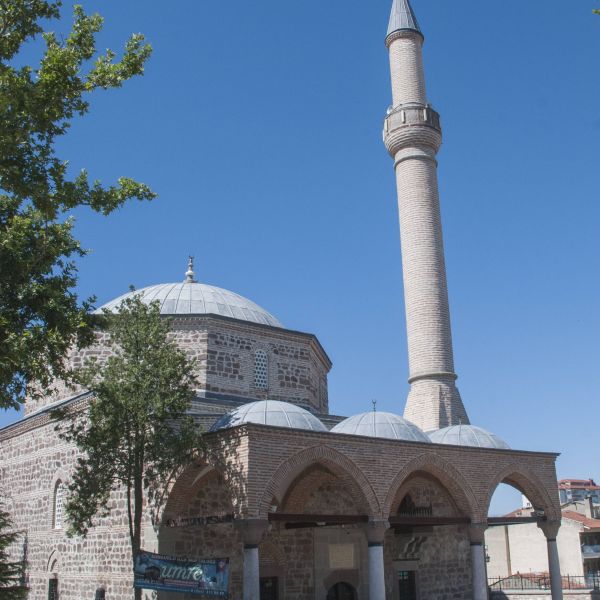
(477, 533)
(375, 530)
(252, 530)
(550, 529)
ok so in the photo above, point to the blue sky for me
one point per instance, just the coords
(259, 124)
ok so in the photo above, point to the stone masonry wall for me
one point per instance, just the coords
(31, 465)
(211, 498)
(224, 353)
(296, 372)
(443, 553)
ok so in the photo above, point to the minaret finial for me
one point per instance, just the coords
(189, 275)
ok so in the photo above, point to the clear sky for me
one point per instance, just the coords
(259, 124)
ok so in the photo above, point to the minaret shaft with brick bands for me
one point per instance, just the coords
(413, 136)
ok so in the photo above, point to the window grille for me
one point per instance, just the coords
(261, 370)
(59, 505)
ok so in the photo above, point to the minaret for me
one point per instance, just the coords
(413, 136)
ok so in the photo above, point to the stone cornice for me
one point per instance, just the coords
(42, 417)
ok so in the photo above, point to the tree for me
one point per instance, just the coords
(135, 435)
(11, 573)
(40, 315)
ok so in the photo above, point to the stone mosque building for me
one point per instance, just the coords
(376, 506)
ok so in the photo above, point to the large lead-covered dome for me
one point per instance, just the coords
(192, 298)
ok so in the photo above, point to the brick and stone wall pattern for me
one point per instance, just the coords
(224, 354)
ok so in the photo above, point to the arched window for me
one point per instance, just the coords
(261, 370)
(59, 505)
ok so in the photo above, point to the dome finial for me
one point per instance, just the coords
(189, 275)
(374, 402)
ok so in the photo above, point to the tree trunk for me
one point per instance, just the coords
(138, 501)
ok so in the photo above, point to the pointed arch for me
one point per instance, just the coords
(182, 489)
(294, 466)
(54, 562)
(529, 484)
(451, 479)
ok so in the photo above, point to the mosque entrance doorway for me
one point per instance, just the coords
(53, 589)
(407, 584)
(269, 588)
(341, 591)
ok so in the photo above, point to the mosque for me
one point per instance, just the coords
(375, 506)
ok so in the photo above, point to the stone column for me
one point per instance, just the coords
(550, 529)
(375, 536)
(252, 531)
(478, 561)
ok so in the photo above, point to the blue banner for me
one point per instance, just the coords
(208, 578)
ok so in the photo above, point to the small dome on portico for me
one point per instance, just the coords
(381, 425)
(270, 412)
(468, 435)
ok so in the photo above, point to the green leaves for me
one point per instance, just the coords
(40, 316)
(19, 21)
(134, 434)
(11, 572)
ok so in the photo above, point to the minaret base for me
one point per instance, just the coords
(435, 403)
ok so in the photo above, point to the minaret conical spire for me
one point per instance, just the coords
(403, 18)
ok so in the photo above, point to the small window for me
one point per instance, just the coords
(261, 370)
(59, 505)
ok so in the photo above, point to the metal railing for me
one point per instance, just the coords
(542, 582)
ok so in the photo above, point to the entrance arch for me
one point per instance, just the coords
(526, 482)
(337, 463)
(503, 540)
(341, 591)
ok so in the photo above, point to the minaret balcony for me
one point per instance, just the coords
(412, 124)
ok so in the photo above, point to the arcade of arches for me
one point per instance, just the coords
(340, 517)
